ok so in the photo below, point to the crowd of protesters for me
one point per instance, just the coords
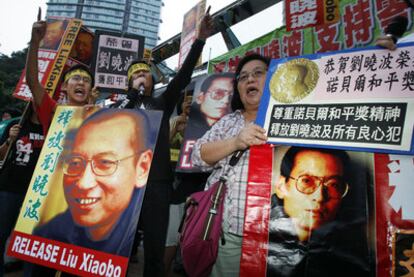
(233, 132)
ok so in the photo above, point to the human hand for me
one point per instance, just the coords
(14, 132)
(206, 26)
(386, 42)
(251, 134)
(93, 96)
(38, 28)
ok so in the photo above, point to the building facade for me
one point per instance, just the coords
(140, 17)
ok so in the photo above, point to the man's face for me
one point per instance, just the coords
(214, 103)
(98, 201)
(54, 33)
(83, 47)
(78, 89)
(310, 211)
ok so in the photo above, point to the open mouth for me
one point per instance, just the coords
(79, 92)
(252, 91)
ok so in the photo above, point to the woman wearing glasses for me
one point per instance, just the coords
(235, 131)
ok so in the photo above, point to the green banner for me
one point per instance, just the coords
(361, 23)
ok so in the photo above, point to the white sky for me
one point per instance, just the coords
(17, 17)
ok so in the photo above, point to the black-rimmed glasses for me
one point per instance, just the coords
(335, 186)
(102, 164)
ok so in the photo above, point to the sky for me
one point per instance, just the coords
(17, 17)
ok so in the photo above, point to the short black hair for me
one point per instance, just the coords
(288, 160)
(140, 119)
(210, 78)
(152, 75)
(236, 102)
(80, 67)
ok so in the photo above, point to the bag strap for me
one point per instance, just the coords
(217, 196)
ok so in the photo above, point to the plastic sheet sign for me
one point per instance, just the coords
(361, 99)
(82, 207)
(308, 13)
(306, 213)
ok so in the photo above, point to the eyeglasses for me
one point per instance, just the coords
(219, 94)
(102, 164)
(79, 78)
(256, 73)
(335, 186)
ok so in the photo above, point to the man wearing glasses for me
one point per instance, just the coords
(304, 227)
(211, 104)
(103, 174)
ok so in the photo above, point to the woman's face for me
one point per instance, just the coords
(251, 81)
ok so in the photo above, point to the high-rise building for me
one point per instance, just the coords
(140, 17)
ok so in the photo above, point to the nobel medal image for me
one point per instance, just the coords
(294, 80)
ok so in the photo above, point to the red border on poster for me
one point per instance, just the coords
(66, 257)
(256, 231)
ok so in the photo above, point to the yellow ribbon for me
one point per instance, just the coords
(137, 67)
(79, 72)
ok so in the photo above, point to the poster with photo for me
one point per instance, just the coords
(361, 99)
(307, 213)
(83, 203)
(53, 53)
(211, 101)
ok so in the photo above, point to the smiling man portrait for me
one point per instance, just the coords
(103, 177)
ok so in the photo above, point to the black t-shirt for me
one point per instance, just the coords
(18, 170)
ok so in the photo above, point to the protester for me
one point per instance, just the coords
(26, 141)
(155, 209)
(235, 131)
(77, 81)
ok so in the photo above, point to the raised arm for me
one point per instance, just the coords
(183, 77)
(32, 71)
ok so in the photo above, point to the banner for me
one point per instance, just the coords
(360, 24)
(52, 56)
(309, 13)
(211, 101)
(114, 54)
(360, 99)
(82, 206)
(189, 31)
(307, 213)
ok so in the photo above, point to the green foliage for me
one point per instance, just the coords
(10, 70)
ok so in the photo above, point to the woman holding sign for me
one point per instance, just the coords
(234, 132)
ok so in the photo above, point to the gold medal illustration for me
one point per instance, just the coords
(294, 80)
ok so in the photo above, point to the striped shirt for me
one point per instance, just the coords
(234, 202)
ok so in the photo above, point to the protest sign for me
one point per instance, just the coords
(211, 101)
(189, 31)
(52, 56)
(359, 99)
(114, 54)
(307, 213)
(83, 203)
(361, 22)
(309, 13)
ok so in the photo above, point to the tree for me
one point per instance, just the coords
(10, 70)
